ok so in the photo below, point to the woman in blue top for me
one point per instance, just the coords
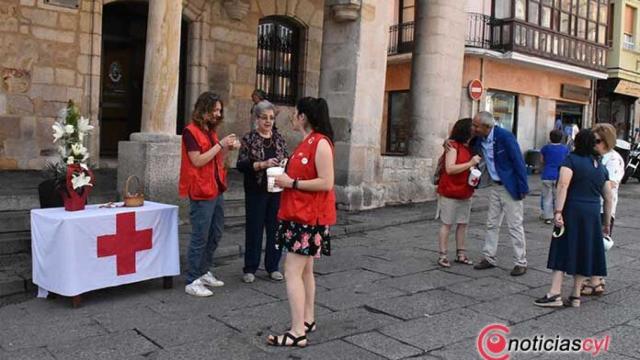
(553, 156)
(580, 250)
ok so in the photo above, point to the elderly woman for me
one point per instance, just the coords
(261, 149)
(579, 251)
(613, 162)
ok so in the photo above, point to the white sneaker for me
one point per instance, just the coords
(197, 288)
(248, 278)
(209, 280)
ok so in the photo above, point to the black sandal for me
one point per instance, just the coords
(310, 327)
(593, 290)
(461, 258)
(273, 340)
(572, 301)
(443, 261)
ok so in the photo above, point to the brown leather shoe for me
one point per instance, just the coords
(483, 265)
(518, 270)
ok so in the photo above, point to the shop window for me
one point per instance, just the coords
(398, 123)
(279, 44)
(503, 106)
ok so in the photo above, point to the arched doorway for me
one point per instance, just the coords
(124, 27)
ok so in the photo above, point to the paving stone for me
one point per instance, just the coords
(439, 330)
(623, 297)
(261, 317)
(340, 324)
(39, 353)
(118, 345)
(348, 278)
(383, 345)
(175, 333)
(487, 288)
(624, 340)
(513, 308)
(358, 295)
(47, 331)
(533, 278)
(334, 350)
(421, 304)
(397, 268)
(129, 318)
(469, 271)
(217, 348)
(463, 350)
(423, 281)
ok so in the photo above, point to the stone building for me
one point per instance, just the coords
(136, 68)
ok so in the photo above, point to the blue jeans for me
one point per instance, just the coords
(207, 222)
(261, 215)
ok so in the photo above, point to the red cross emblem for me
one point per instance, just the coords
(125, 243)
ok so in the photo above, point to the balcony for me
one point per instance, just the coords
(514, 35)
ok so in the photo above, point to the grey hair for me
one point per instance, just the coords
(262, 107)
(486, 118)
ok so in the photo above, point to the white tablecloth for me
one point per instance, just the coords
(79, 251)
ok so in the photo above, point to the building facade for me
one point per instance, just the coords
(618, 95)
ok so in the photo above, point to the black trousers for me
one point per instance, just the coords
(261, 216)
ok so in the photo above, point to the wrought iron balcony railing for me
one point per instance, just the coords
(514, 35)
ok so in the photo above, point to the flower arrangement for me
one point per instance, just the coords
(71, 175)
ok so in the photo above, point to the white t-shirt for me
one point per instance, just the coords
(615, 166)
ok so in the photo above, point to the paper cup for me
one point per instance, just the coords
(272, 173)
(474, 177)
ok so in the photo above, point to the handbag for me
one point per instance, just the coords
(136, 199)
(608, 242)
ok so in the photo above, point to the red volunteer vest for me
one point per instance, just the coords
(199, 183)
(305, 207)
(457, 186)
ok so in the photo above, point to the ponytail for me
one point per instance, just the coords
(317, 112)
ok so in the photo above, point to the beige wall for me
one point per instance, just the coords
(41, 67)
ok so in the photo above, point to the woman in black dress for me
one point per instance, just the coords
(580, 250)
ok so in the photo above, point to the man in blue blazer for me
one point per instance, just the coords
(506, 172)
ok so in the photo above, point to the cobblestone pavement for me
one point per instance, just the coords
(380, 296)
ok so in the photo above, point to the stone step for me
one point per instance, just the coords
(15, 242)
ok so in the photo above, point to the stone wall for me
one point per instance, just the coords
(40, 69)
(232, 68)
(407, 180)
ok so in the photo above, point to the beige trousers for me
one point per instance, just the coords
(502, 205)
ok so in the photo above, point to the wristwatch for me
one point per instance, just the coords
(295, 184)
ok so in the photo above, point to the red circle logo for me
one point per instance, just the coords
(475, 89)
(492, 342)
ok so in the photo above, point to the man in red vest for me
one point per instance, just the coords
(203, 181)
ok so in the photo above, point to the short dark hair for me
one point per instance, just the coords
(461, 131)
(585, 143)
(556, 136)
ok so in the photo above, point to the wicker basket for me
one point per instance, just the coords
(136, 199)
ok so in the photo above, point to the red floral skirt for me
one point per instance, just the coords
(303, 239)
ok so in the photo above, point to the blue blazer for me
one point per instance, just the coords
(509, 162)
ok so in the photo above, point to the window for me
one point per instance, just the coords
(502, 9)
(503, 107)
(629, 27)
(278, 59)
(398, 124)
(407, 11)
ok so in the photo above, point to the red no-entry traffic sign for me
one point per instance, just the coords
(475, 89)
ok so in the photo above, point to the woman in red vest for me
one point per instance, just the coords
(307, 209)
(454, 202)
(203, 180)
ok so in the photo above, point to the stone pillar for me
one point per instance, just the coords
(352, 77)
(162, 67)
(436, 73)
(154, 154)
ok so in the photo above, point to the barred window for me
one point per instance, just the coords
(278, 59)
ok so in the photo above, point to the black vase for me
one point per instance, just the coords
(49, 195)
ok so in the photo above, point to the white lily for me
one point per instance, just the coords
(81, 180)
(70, 160)
(84, 159)
(83, 125)
(78, 150)
(62, 150)
(84, 166)
(69, 129)
(58, 132)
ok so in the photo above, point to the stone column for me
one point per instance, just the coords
(352, 77)
(153, 155)
(436, 73)
(162, 67)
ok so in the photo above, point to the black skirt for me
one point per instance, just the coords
(302, 239)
